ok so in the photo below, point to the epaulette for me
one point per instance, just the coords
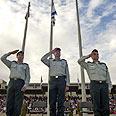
(25, 63)
(64, 60)
(104, 64)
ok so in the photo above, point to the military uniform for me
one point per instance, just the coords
(100, 83)
(59, 79)
(19, 77)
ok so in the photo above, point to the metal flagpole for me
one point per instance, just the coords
(80, 52)
(51, 32)
(51, 47)
(26, 24)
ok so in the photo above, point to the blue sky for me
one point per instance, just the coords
(98, 30)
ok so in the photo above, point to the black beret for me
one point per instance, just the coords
(20, 52)
(95, 50)
(58, 49)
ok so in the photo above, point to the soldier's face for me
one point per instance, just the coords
(95, 55)
(20, 57)
(57, 53)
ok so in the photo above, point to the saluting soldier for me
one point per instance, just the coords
(59, 81)
(100, 83)
(19, 80)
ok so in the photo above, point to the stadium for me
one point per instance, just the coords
(38, 92)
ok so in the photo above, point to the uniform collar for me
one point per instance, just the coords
(17, 62)
(58, 60)
(97, 62)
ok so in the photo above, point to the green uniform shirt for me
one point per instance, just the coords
(57, 68)
(21, 71)
(96, 71)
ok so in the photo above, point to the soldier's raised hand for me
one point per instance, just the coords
(90, 55)
(14, 52)
(53, 51)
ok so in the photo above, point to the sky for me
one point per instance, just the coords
(98, 30)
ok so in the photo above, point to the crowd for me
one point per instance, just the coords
(112, 103)
(2, 104)
(73, 100)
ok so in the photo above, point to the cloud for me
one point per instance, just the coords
(92, 5)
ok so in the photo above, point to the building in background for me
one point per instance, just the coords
(35, 89)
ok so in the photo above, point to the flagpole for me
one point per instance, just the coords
(80, 52)
(51, 31)
(51, 47)
(26, 24)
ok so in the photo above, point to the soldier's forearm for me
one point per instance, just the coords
(83, 58)
(45, 56)
(5, 61)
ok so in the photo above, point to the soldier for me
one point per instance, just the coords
(19, 80)
(59, 81)
(100, 83)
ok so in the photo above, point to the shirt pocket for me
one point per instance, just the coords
(53, 65)
(23, 68)
(13, 66)
(63, 65)
(92, 69)
(103, 71)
